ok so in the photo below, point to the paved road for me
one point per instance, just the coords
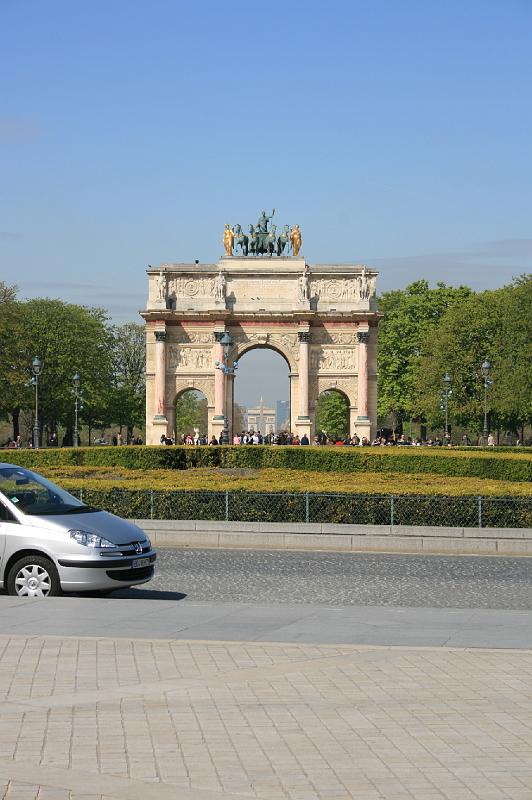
(344, 579)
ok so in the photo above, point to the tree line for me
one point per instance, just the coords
(69, 338)
(425, 332)
(428, 332)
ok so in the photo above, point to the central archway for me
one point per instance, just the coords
(261, 390)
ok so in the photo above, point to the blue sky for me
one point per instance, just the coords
(394, 133)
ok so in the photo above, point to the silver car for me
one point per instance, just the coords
(51, 543)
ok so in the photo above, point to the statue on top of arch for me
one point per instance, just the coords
(261, 241)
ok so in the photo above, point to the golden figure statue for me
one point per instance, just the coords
(228, 240)
(295, 239)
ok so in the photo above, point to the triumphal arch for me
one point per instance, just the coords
(322, 318)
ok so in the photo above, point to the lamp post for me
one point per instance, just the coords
(487, 383)
(76, 380)
(36, 368)
(226, 343)
(446, 393)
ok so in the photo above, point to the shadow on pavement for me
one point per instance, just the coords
(147, 594)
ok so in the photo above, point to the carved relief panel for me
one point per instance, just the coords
(187, 286)
(355, 289)
(332, 360)
(188, 358)
(324, 336)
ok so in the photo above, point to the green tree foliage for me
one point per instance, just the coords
(127, 397)
(12, 391)
(190, 413)
(512, 393)
(67, 338)
(332, 414)
(496, 325)
(410, 316)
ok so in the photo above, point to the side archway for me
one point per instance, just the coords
(190, 414)
(332, 414)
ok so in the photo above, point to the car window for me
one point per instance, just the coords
(5, 514)
(33, 494)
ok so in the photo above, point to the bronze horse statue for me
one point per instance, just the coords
(241, 240)
(269, 240)
(253, 240)
(283, 240)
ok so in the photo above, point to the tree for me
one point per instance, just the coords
(512, 391)
(332, 414)
(190, 413)
(410, 315)
(11, 389)
(495, 325)
(67, 338)
(127, 398)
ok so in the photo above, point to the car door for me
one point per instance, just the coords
(7, 520)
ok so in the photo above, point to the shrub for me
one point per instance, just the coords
(513, 466)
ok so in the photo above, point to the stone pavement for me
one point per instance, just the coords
(151, 719)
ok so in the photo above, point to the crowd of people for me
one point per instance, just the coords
(322, 439)
(282, 438)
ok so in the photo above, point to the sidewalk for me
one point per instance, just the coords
(347, 538)
(94, 718)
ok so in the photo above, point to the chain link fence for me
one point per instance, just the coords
(360, 509)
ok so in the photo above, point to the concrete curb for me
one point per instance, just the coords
(348, 538)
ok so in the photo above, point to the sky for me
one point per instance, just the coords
(395, 133)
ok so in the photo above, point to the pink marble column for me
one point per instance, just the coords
(363, 339)
(219, 404)
(304, 339)
(160, 373)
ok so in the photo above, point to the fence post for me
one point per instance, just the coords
(81, 495)
(151, 503)
(307, 510)
(480, 512)
(391, 511)
(226, 505)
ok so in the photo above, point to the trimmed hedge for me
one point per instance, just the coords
(492, 512)
(512, 466)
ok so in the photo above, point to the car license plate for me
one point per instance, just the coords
(140, 562)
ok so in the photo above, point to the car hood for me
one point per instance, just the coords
(116, 530)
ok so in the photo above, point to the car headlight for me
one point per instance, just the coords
(148, 542)
(90, 539)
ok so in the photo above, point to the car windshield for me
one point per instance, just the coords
(33, 494)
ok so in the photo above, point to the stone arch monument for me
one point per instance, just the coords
(322, 318)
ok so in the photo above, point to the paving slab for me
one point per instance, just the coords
(159, 719)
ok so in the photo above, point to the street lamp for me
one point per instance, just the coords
(76, 380)
(36, 368)
(487, 383)
(226, 343)
(446, 393)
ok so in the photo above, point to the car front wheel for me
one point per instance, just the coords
(34, 576)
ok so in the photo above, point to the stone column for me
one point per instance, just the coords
(303, 419)
(363, 340)
(219, 388)
(218, 377)
(160, 375)
(304, 339)
(363, 422)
